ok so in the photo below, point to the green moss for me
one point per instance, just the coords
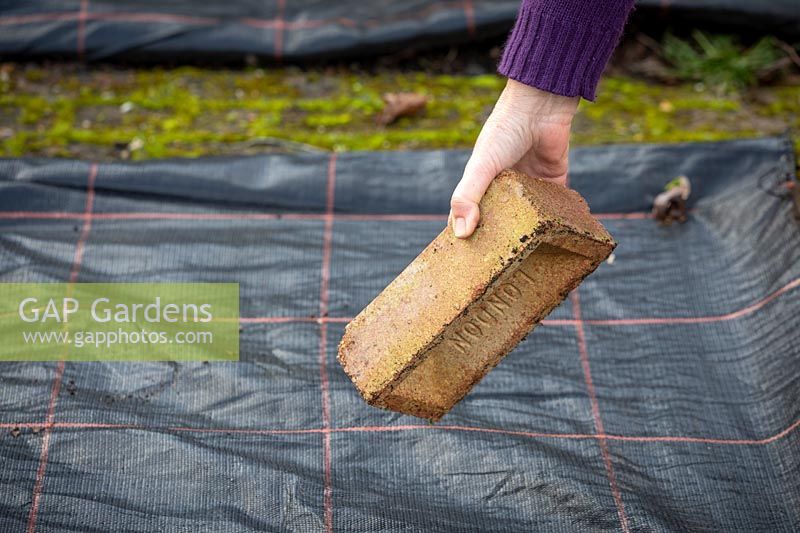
(191, 112)
(34, 74)
(328, 121)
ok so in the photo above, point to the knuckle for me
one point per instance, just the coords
(459, 202)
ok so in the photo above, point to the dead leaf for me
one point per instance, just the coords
(670, 205)
(400, 105)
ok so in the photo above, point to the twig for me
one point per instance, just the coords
(651, 44)
(290, 146)
(775, 67)
(790, 51)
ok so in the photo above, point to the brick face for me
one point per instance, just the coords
(462, 305)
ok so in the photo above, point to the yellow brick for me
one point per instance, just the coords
(462, 305)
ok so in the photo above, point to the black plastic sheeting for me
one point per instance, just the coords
(662, 396)
(303, 29)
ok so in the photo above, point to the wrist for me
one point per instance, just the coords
(541, 104)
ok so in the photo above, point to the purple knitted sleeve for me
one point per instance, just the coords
(562, 46)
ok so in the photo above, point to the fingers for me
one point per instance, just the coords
(530, 165)
(501, 143)
(548, 158)
(464, 211)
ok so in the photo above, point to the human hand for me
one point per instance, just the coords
(528, 130)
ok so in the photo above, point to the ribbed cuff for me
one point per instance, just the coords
(560, 55)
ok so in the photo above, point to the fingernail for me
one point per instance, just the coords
(460, 227)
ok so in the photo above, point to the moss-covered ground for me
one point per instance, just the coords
(105, 113)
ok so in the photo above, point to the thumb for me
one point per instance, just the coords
(479, 172)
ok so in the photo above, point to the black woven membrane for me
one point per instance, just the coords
(152, 30)
(662, 396)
